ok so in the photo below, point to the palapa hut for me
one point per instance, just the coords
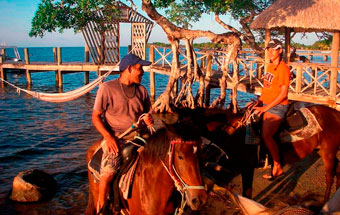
(307, 16)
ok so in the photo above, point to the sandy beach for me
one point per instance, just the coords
(301, 177)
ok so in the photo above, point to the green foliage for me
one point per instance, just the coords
(323, 44)
(54, 15)
(185, 12)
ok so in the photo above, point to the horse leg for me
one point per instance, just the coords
(328, 159)
(247, 175)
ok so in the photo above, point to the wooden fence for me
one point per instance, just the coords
(310, 82)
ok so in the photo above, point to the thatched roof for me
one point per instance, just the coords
(302, 15)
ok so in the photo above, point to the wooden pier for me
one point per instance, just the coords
(310, 81)
(60, 68)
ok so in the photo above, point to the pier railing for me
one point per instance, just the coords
(310, 82)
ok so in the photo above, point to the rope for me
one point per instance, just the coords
(61, 97)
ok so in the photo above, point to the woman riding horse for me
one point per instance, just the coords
(273, 103)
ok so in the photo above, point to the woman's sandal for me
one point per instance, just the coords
(271, 177)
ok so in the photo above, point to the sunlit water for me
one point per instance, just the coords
(52, 137)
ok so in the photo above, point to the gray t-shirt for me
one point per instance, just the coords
(121, 110)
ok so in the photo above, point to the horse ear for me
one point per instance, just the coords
(168, 118)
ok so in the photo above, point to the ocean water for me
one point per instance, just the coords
(52, 137)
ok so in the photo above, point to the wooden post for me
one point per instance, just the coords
(287, 44)
(152, 74)
(27, 58)
(56, 78)
(59, 72)
(86, 77)
(334, 63)
(298, 79)
(3, 74)
(28, 77)
(2, 59)
(59, 56)
(3, 55)
(55, 55)
(87, 54)
(266, 41)
(60, 79)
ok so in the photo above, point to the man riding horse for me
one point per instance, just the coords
(121, 102)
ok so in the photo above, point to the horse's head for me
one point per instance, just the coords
(211, 119)
(183, 162)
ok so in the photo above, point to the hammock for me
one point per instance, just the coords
(62, 97)
(65, 97)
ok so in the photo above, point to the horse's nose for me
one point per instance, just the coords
(198, 201)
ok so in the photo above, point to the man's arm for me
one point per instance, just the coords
(98, 123)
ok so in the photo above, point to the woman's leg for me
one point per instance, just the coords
(271, 124)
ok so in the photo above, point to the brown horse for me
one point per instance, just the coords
(224, 129)
(168, 161)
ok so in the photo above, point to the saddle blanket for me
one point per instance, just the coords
(125, 180)
(313, 127)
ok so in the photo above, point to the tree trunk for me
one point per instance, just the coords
(175, 34)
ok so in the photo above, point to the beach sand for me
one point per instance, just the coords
(307, 175)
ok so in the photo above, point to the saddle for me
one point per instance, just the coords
(294, 120)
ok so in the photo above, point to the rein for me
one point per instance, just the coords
(249, 113)
(180, 185)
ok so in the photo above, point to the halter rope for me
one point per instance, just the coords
(180, 185)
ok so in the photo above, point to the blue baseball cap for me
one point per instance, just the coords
(130, 60)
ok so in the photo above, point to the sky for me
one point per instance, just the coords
(16, 17)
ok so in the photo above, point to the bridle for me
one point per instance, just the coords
(180, 184)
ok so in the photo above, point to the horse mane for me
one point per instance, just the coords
(158, 144)
(184, 129)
